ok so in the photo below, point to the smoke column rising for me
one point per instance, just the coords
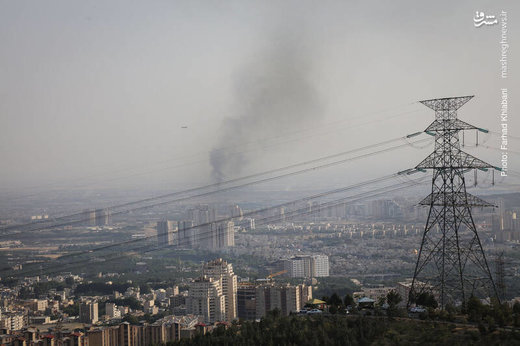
(274, 94)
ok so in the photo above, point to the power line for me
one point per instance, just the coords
(354, 186)
(313, 133)
(66, 219)
(315, 196)
(321, 207)
(301, 211)
(499, 134)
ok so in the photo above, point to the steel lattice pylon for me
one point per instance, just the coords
(451, 263)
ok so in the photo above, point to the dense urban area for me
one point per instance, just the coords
(250, 173)
(182, 271)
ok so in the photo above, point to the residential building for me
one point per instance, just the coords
(166, 234)
(88, 312)
(222, 272)
(288, 298)
(205, 298)
(308, 266)
(246, 301)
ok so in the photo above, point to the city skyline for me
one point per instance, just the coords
(259, 173)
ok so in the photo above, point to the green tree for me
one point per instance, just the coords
(72, 310)
(393, 299)
(335, 300)
(516, 307)
(131, 302)
(426, 299)
(131, 319)
(144, 289)
(502, 313)
(25, 293)
(475, 309)
(349, 300)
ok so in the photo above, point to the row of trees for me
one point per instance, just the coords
(497, 313)
(275, 329)
(491, 315)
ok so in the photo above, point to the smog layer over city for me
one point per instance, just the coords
(259, 173)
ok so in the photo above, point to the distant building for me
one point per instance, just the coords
(248, 223)
(13, 320)
(202, 214)
(38, 305)
(222, 271)
(236, 212)
(217, 236)
(288, 298)
(321, 265)
(186, 234)
(385, 208)
(246, 301)
(166, 234)
(177, 300)
(172, 291)
(201, 230)
(88, 312)
(225, 235)
(112, 310)
(306, 266)
(403, 289)
(102, 217)
(125, 334)
(88, 217)
(205, 298)
(374, 292)
(96, 217)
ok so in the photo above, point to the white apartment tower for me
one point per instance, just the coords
(205, 299)
(321, 265)
(221, 271)
(307, 266)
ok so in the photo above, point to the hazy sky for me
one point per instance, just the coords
(98, 92)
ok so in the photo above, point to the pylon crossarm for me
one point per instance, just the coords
(449, 124)
(463, 161)
(447, 103)
(455, 199)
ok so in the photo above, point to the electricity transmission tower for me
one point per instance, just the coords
(451, 263)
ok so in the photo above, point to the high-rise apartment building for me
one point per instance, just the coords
(225, 234)
(217, 235)
(246, 301)
(288, 298)
(166, 233)
(307, 266)
(200, 232)
(236, 212)
(205, 298)
(112, 311)
(88, 312)
(248, 223)
(222, 271)
(202, 214)
(102, 217)
(186, 234)
(88, 217)
(320, 265)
